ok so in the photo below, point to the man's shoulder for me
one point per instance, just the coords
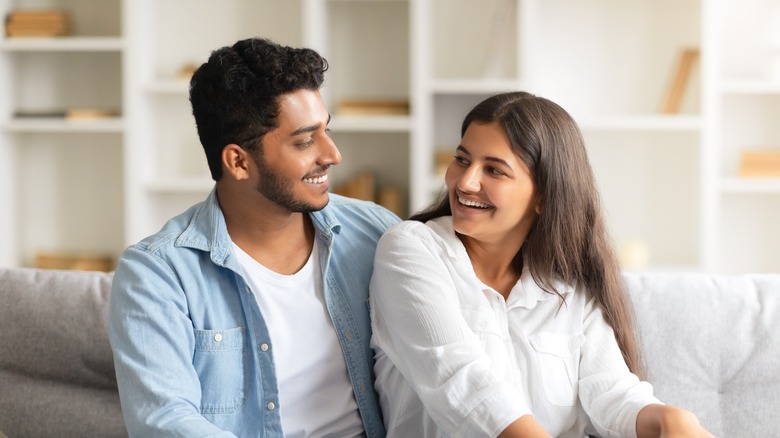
(167, 236)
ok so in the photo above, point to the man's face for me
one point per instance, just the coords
(295, 158)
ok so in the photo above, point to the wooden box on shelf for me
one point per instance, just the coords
(373, 107)
(37, 23)
(760, 164)
(75, 262)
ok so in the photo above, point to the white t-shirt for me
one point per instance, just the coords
(456, 359)
(315, 393)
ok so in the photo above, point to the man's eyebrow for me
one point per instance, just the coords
(310, 128)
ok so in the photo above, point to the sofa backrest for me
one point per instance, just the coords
(711, 344)
(56, 367)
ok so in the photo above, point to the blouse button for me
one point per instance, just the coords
(271, 406)
(264, 347)
(218, 337)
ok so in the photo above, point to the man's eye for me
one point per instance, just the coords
(306, 143)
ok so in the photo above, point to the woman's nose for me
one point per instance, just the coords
(470, 181)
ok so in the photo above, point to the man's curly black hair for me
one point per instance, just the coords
(234, 95)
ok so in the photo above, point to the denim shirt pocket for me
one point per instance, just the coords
(558, 356)
(220, 361)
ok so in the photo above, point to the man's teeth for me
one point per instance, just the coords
(318, 180)
(468, 203)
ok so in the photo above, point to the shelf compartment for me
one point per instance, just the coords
(474, 40)
(185, 32)
(69, 194)
(749, 236)
(368, 52)
(650, 187)
(751, 125)
(56, 82)
(385, 155)
(603, 57)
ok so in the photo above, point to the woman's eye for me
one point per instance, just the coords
(461, 160)
(494, 171)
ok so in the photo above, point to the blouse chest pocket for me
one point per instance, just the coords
(220, 361)
(558, 356)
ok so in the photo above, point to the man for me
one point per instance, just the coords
(247, 315)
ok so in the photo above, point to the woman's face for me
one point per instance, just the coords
(492, 192)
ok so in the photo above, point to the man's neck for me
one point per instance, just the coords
(278, 239)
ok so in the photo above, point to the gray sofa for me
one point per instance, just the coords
(711, 344)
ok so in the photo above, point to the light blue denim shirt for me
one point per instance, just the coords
(192, 352)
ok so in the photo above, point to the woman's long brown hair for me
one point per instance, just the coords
(569, 241)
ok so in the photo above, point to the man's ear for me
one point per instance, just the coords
(236, 161)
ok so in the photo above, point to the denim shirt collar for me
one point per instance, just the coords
(207, 231)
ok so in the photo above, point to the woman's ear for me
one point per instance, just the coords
(538, 207)
(236, 161)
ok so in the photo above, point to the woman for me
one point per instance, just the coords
(500, 310)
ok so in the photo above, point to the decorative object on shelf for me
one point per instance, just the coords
(186, 71)
(373, 107)
(37, 23)
(634, 255)
(441, 161)
(74, 262)
(760, 164)
(363, 186)
(90, 113)
(680, 78)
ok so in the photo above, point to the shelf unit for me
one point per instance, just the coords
(669, 182)
(745, 97)
(62, 178)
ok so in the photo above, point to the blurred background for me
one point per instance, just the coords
(678, 101)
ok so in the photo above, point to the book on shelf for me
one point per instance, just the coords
(373, 107)
(37, 23)
(68, 114)
(681, 76)
(760, 163)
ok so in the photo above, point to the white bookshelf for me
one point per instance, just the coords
(63, 183)
(668, 181)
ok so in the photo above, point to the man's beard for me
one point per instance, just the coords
(279, 190)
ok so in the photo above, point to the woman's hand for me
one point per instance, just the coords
(668, 422)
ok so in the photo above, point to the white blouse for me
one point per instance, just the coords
(453, 358)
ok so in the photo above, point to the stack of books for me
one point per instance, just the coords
(760, 163)
(37, 23)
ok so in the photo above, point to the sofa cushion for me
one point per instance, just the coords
(711, 344)
(56, 367)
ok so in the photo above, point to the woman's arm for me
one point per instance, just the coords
(524, 427)
(668, 422)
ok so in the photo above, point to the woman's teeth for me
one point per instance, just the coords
(468, 203)
(316, 180)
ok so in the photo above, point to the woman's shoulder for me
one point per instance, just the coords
(439, 227)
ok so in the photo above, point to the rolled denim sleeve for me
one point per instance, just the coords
(153, 343)
(418, 324)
